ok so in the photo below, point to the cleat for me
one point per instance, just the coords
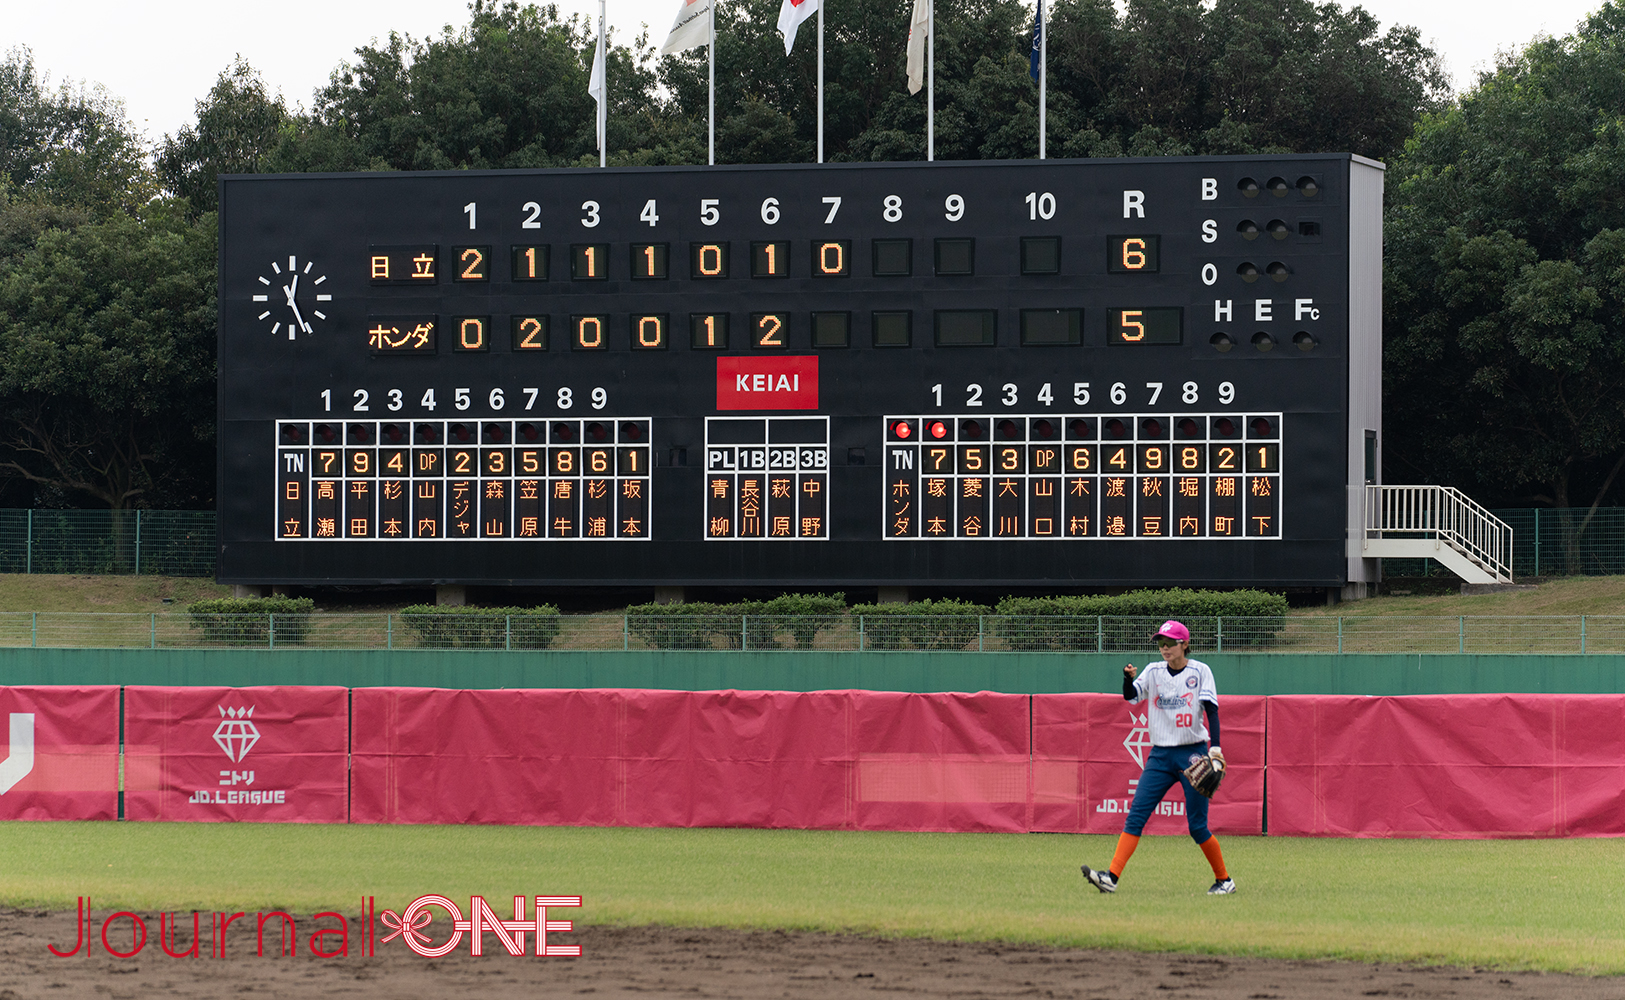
(1106, 882)
(1223, 887)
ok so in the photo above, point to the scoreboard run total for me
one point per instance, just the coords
(1015, 374)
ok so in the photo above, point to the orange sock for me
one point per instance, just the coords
(1215, 857)
(1126, 844)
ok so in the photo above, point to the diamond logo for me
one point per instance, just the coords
(1139, 738)
(236, 733)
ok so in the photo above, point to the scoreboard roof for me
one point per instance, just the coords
(1037, 373)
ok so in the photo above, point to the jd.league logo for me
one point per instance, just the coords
(236, 733)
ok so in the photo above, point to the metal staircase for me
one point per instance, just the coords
(1437, 522)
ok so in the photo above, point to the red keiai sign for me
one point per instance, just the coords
(768, 383)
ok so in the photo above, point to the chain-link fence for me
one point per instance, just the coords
(850, 633)
(160, 542)
(1548, 542)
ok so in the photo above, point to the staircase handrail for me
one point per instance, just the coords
(1443, 513)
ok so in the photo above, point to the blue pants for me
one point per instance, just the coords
(1164, 769)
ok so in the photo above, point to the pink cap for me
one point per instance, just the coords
(1174, 630)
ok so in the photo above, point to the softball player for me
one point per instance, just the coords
(1179, 692)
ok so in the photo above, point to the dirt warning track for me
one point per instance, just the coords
(648, 962)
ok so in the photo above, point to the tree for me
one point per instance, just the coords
(1164, 77)
(508, 90)
(1505, 279)
(107, 361)
(68, 147)
(1241, 76)
(238, 127)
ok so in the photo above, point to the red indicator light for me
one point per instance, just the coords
(939, 429)
(1115, 428)
(1225, 426)
(1153, 428)
(902, 429)
(1189, 427)
(1261, 427)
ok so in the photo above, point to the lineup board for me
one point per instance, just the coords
(1015, 373)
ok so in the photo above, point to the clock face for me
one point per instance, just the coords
(293, 301)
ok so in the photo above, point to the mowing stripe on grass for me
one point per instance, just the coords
(1555, 905)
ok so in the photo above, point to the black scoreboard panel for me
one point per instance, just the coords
(1016, 374)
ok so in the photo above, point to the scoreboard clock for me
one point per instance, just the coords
(1016, 374)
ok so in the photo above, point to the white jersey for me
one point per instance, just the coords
(1174, 711)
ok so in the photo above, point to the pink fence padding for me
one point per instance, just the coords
(941, 761)
(1088, 749)
(829, 759)
(69, 769)
(257, 754)
(425, 755)
(1454, 766)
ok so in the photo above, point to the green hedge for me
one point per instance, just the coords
(1126, 621)
(247, 621)
(787, 621)
(482, 628)
(944, 624)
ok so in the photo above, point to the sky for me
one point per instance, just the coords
(160, 58)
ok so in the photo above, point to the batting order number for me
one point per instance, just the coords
(1010, 394)
(463, 398)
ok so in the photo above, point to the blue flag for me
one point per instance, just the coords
(1038, 36)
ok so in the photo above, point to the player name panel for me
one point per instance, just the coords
(537, 480)
(767, 479)
(1143, 475)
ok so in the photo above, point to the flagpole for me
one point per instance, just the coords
(1043, 78)
(711, 106)
(931, 81)
(603, 103)
(820, 79)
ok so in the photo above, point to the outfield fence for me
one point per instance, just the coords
(837, 633)
(1549, 542)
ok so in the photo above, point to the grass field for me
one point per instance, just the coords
(1556, 905)
(62, 592)
(1576, 595)
(1583, 595)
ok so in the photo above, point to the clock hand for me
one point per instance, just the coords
(293, 288)
(295, 307)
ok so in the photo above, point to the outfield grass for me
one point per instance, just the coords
(1575, 595)
(1555, 905)
(66, 592)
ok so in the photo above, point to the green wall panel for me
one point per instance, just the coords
(1238, 673)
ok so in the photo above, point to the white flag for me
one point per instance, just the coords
(917, 29)
(595, 90)
(691, 28)
(791, 14)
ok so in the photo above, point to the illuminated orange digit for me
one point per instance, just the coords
(1125, 324)
(1133, 253)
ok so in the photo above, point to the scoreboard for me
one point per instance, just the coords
(1016, 374)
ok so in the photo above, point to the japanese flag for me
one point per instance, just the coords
(790, 17)
(692, 27)
(918, 25)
